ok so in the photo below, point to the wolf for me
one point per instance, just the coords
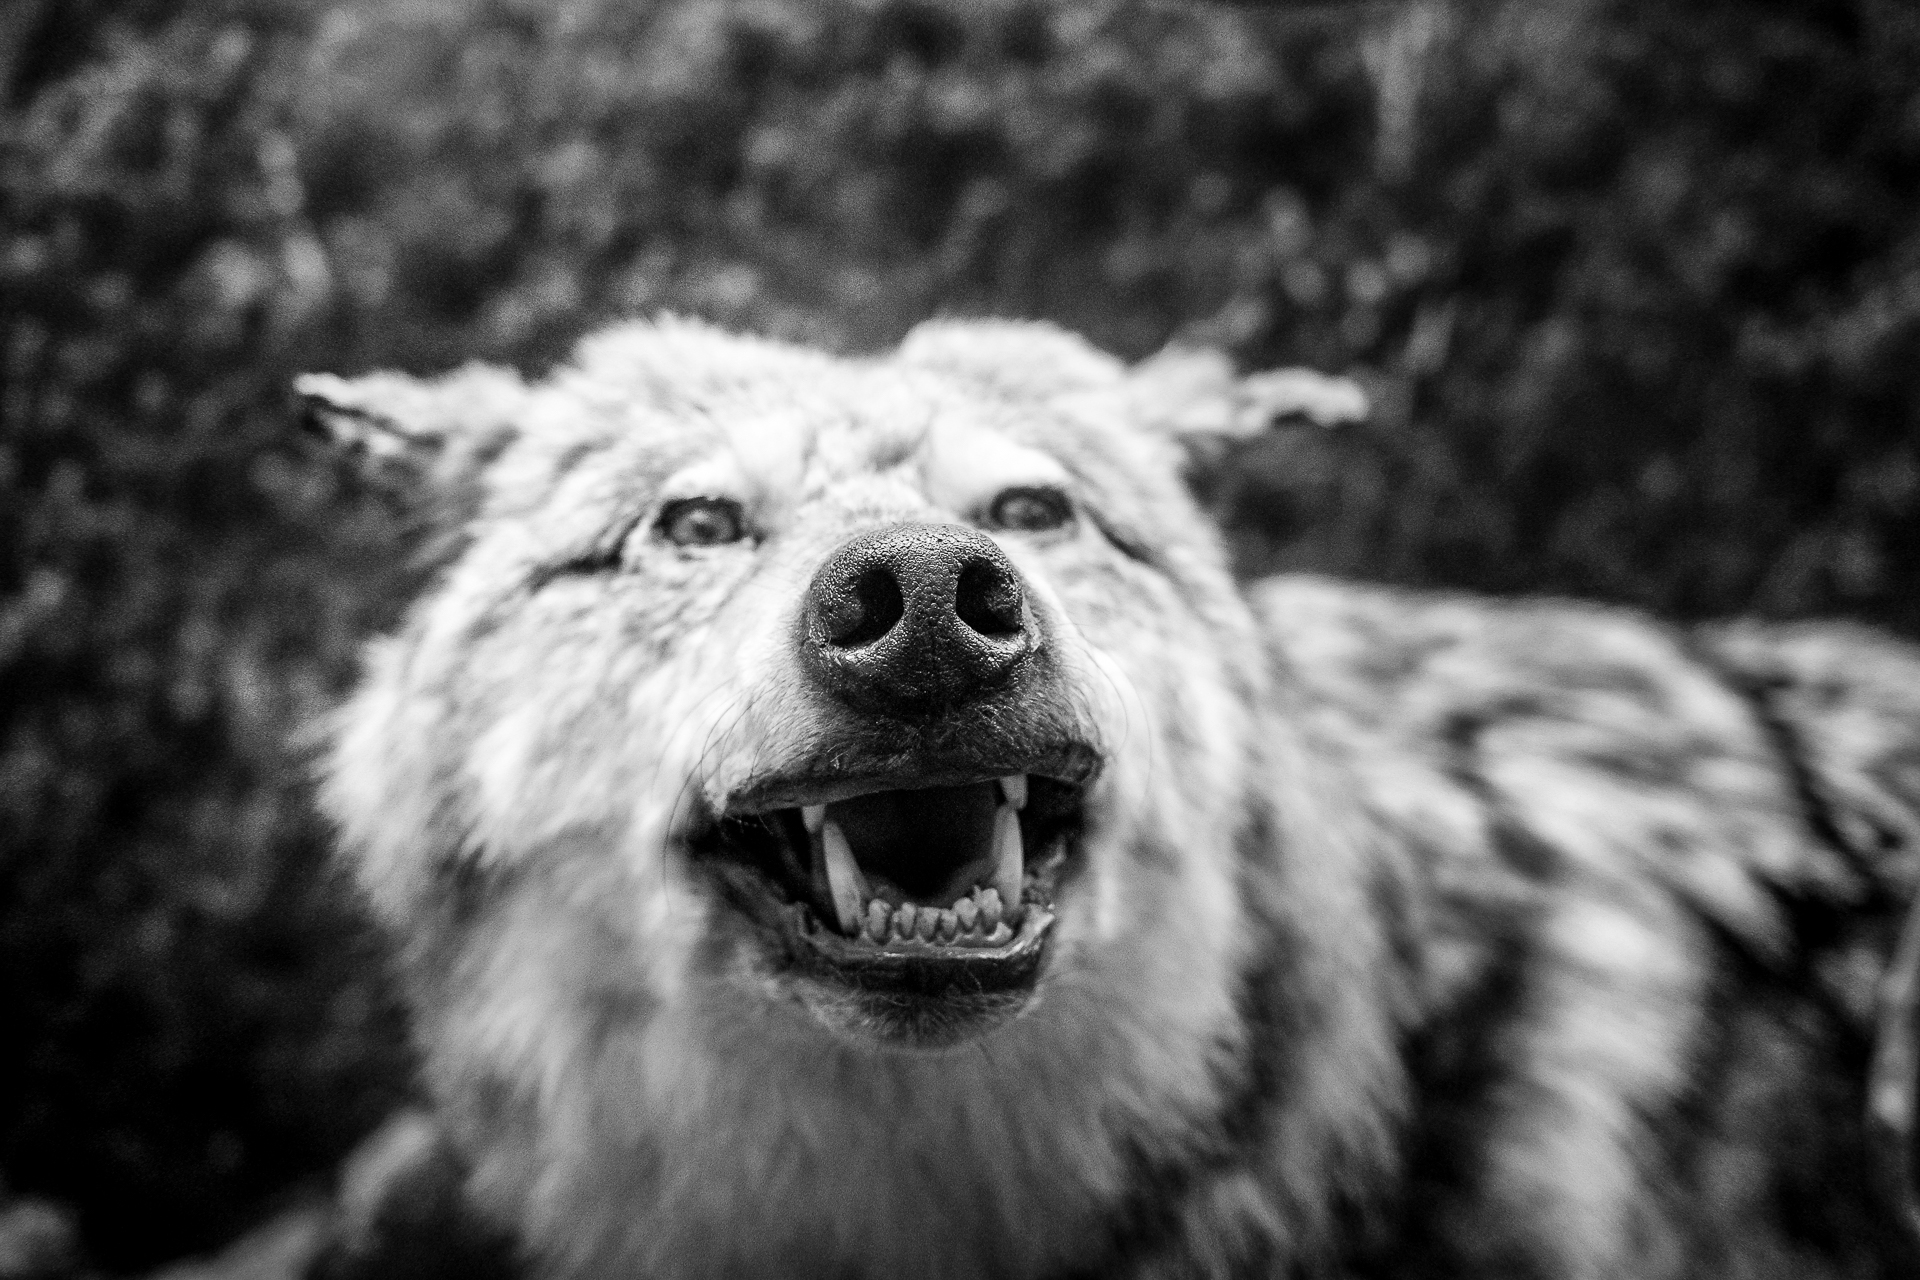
(842, 817)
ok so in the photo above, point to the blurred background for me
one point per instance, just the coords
(1636, 289)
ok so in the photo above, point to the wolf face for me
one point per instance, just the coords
(802, 756)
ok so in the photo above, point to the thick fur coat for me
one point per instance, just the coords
(1389, 935)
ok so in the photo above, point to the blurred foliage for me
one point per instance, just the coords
(1636, 287)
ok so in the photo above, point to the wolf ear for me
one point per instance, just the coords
(408, 431)
(359, 415)
(1192, 396)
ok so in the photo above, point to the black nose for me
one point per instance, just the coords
(913, 618)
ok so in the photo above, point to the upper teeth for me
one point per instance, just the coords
(1014, 788)
(844, 881)
(1009, 855)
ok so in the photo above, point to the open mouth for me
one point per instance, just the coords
(909, 885)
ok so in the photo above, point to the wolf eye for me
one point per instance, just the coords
(1031, 510)
(702, 522)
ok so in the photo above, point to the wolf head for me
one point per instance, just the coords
(798, 753)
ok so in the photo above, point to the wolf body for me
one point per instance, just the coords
(1363, 933)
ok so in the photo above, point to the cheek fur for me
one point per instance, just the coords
(1176, 745)
(587, 705)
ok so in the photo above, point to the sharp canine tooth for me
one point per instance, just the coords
(1009, 856)
(1014, 788)
(815, 816)
(844, 881)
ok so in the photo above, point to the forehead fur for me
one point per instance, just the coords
(666, 393)
(1012, 357)
(673, 358)
(672, 361)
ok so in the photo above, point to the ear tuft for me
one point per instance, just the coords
(389, 415)
(366, 414)
(1193, 395)
(1323, 400)
(431, 435)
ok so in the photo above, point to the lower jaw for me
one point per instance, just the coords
(904, 1022)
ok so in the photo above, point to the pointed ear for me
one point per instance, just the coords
(378, 415)
(1193, 397)
(441, 432)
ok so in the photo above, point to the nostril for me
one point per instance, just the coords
(988, 599)
(862, 610)
(912, 619)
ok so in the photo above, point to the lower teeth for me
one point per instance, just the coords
(979, 919)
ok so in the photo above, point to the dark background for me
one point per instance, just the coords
(1636, 289)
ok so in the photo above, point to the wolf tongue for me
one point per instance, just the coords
(1009, 856)
(844, 881)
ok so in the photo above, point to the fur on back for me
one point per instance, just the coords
(1417, 936)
